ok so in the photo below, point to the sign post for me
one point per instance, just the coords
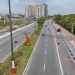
(16, 45)
(4, 26)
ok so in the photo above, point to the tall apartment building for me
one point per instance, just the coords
(36, 11)
(46, 9)
(29, 11)
(39, 11)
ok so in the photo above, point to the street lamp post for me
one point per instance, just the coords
(13, 66)
(34, 25)
(72, 27)
(4, 26)
(72, 30)
(24, 20)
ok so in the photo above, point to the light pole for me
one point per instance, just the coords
(34, 25)
(13, 66)
(4, 26)
(72, 30)
(72, 27)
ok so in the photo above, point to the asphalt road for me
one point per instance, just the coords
(49, 58)
(68, 43)
(19, 36)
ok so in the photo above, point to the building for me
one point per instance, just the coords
(36, 11)
(36, 8)
(29, 11)
(45, 9)
(39, 11)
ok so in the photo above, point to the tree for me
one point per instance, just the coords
(41, 21)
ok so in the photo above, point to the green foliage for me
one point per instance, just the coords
(65, 21)
(49, 16)
(41, 21)
(21, 57)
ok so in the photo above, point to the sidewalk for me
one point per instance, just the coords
(69, 35)
(8, 33)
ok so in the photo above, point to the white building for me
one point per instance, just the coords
(39, 11)
(29, 11)
(36, 11)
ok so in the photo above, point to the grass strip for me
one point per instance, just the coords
(21, 57)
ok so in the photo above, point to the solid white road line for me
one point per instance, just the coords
(14, 49)
(44, 67)
(58, 55)
(29, 61)
(13, 36)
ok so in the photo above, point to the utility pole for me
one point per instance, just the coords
(34, 25)
(72, 30)
(72, 27)
(13, 66)
(4, 26)
(24, 20)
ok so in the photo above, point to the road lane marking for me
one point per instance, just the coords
(14, 50)
(4, 40)
(29, 61)
(44, 67)
(46, 39)
(58, 55)
(1, 50)
(13, 36)
(46, 44)
(45, 52)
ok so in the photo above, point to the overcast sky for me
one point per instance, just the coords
(54, 6)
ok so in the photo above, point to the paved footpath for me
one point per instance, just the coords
(66, 33)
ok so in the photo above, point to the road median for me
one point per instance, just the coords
(21, 57)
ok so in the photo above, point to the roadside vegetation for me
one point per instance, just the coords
(15, 24)
(66, 21)
(41, 21)
(22, 55)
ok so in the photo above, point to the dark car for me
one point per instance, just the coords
(59, 30)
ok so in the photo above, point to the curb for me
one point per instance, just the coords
(70, 40)
(73, 43)
(15, 30)
(29, 61)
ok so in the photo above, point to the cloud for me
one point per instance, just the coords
(54, 6)
(15, 1)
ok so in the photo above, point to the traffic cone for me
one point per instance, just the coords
(60, 50)
(74, 68)
(71, 60)
(58, 43)
(68, 56)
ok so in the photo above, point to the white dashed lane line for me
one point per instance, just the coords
(46, 44)
(45, 52)
(46, 39)
(44, 67)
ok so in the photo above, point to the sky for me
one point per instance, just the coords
(62, 7)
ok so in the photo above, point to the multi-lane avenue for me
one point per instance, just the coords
(49, 58)
(18, 35)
